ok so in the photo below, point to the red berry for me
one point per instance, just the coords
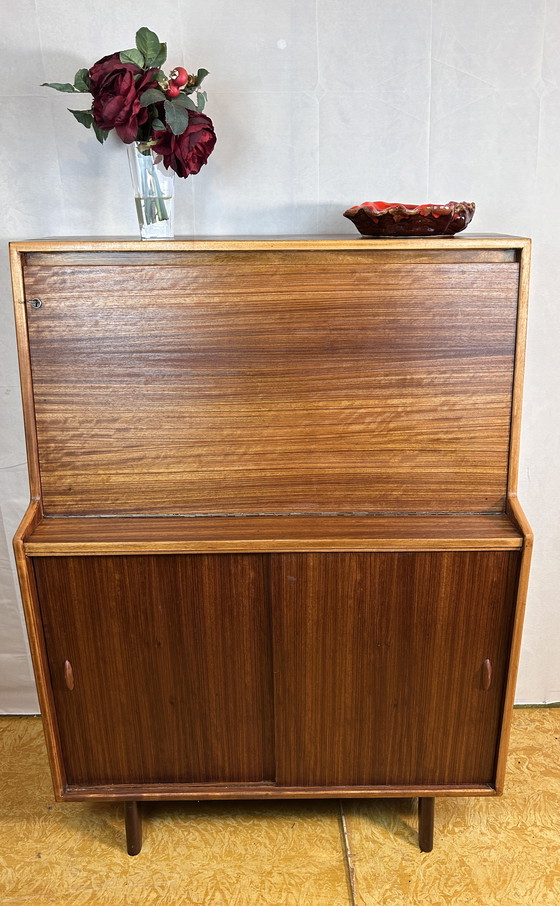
(179, 76)
(173, 91)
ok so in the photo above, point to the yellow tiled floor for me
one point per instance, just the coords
(488, 852)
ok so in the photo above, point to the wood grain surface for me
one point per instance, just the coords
(55, 536)
(37, 646)
(380, 675)
(380, 666)
(268, 791)
(172, 667)
(188, 253)
(517, 515)
(280, 382)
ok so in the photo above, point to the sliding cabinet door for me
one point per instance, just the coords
(161, 667)
(391, 667)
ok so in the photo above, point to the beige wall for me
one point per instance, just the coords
(318, 104)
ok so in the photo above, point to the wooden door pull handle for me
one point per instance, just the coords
(487, 674)
(68, 675)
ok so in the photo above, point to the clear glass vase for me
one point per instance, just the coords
(153, 192)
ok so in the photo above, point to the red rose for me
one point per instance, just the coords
(188, 152)
(116, 96)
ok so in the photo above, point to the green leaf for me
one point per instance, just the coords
(201, 74)
(201, 101)
(148, 43)
(100, 134)
(81, 80)
(157, 124)
(132, 56)
(183, 101)
(161, 78)
(160, 58)
(85, 117)
(151, 96)
(176, 117)
(60, 86)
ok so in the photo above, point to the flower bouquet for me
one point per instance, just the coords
(158, 116)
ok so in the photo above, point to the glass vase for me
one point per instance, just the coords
(153, 192)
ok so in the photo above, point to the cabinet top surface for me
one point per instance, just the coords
(350, 241)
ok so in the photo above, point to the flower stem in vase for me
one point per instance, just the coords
(153, 190)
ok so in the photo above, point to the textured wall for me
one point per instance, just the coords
(318, 104)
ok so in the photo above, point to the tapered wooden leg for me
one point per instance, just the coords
(133, 825)
(426, 823)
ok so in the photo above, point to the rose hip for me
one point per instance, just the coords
(179, 76)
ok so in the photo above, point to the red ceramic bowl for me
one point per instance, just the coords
(380, 218)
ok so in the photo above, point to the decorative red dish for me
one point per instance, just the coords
(381, 218)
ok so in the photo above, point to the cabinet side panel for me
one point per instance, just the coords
(305, 382)
(28, 401)
(37, 647)
(161, 667)
(382, 666)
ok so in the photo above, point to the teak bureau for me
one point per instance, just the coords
(274, 547)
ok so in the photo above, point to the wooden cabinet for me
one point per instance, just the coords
(274, 546)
